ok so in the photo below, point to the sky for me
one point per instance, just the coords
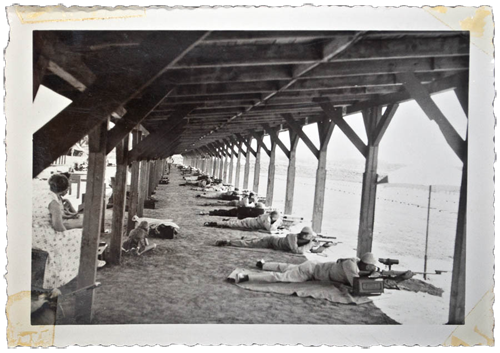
(411, 139)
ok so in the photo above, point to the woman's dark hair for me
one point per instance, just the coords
(58, 183)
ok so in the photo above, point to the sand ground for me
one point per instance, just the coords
(400, 226)
(183, 280)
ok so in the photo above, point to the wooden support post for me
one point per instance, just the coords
(290, 175)
(256, 172)
(369, 188)
(204, 165)
(226, 166)
(231, 166)
(209, 165)
(119, 202)
(143, 187)
(151, 178)
(221, 167)
(456, 315)
(134, 184)
(103, 214)
(325, 130)
(246, 173)
(238, 166)
(214, 169)
(271, 175)
(91, 221)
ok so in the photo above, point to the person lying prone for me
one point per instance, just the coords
(294, 243)
(341, 271)
(267, 221)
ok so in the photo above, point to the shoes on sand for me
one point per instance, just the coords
(239, 278)
(222, 243)
(210, 224)
(260, 264)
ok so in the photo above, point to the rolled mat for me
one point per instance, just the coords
(334, 292)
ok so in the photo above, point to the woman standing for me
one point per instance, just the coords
(60, 238)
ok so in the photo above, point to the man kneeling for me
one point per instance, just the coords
(294, 243)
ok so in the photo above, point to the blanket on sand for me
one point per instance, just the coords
(336, 293)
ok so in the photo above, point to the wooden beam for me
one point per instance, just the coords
(462, 94)
(221, 148)
(166, 149)
(383, 124)
(430, 108)
(204, 75)
(298, 130)
(297, 85)
(247, 142)
(90, 109)
(119, 202)
(230, 147)
(62, 60)
(238, 143)
(94, 196)
(247, 54)
(273, 134)
(154, 141)
(137, 111)
(260, 142)
(439, 85)
(346, 129)
(285, 54)
(39, 70)
(271, 36)
(290, 176)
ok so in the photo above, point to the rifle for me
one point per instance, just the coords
(389, 262)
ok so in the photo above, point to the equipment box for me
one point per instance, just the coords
(368, 286)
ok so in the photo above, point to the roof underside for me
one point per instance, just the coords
(231, 82)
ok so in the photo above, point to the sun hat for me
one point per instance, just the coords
(369, 259)
(307, 233)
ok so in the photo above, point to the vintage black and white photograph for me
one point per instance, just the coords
(251, 176)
